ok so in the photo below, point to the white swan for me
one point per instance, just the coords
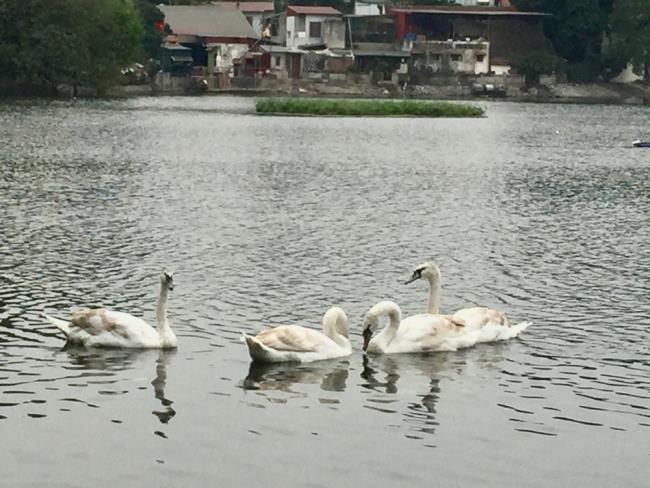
(293, 343)
(104, 328)
(417, 333)
(474, 317)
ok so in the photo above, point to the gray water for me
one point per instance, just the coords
(539, 210)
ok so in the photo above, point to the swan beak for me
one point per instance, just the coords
(413, 277)
(367, 334)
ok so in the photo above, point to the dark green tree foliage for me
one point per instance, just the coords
(78, 42)
(151, 37)
(629, 38)
(576, 29)
(535, 64)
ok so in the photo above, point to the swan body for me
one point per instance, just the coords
(100, 327)
(293, 343)
(415, 334)
(425, 333)
(474, 318)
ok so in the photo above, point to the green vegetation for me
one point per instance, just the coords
(597, 38)
(46, 43)
(309, 106)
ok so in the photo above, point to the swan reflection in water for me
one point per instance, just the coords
(107, 362)
(329, 375)
(382, 374)
(421, 377)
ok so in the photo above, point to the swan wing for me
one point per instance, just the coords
(101, 321)
(478, 317)
(293, 338)
(422, 333)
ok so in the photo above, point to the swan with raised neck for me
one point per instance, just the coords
(100, 327)
(473, 317)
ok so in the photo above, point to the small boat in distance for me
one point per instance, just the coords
(640, 143)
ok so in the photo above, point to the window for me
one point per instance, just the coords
(456, 57)
(314, 29)
(278, 60)
(480, 58)
(249, 19)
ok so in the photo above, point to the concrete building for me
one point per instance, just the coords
(307, 26)
(507, 33)
(451, 57)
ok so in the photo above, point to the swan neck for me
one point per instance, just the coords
(161, 311)
(389, 332)
(433, 306)
(331, 331)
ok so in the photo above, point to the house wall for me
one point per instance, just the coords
(255, 19)
(367, 8)
(451, 57)
(221, 56)
(298, 33)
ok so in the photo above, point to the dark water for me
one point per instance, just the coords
(539, 210)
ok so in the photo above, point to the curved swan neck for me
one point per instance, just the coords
(388, 333)
(335, 326)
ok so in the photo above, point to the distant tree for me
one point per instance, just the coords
(535, 64)
(149, 15)
(49, 42)
(575, 27)
(629, 37)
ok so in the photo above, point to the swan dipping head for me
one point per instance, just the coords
(428, 271)
(167, 280)
(371, 320)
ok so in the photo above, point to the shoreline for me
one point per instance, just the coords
(602, 93)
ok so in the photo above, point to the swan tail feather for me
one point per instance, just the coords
(257, 350)
(62, 325)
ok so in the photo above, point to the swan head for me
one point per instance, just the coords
(371, 320)
(167, 280)
(370, 325)
(428, 271)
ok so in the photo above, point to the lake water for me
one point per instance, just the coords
(540, 210)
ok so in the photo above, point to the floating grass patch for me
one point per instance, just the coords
(417, 108)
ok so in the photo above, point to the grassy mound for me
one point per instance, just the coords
(309, 106)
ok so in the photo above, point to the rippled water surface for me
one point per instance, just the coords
(540, 210)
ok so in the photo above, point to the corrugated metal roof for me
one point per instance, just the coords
(256, 6)
(249, 7)
(461, 10)
(207, 20)
(309, 10)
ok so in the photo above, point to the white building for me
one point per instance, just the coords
(312, 26)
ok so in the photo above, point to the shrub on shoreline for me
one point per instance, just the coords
(345, 107)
